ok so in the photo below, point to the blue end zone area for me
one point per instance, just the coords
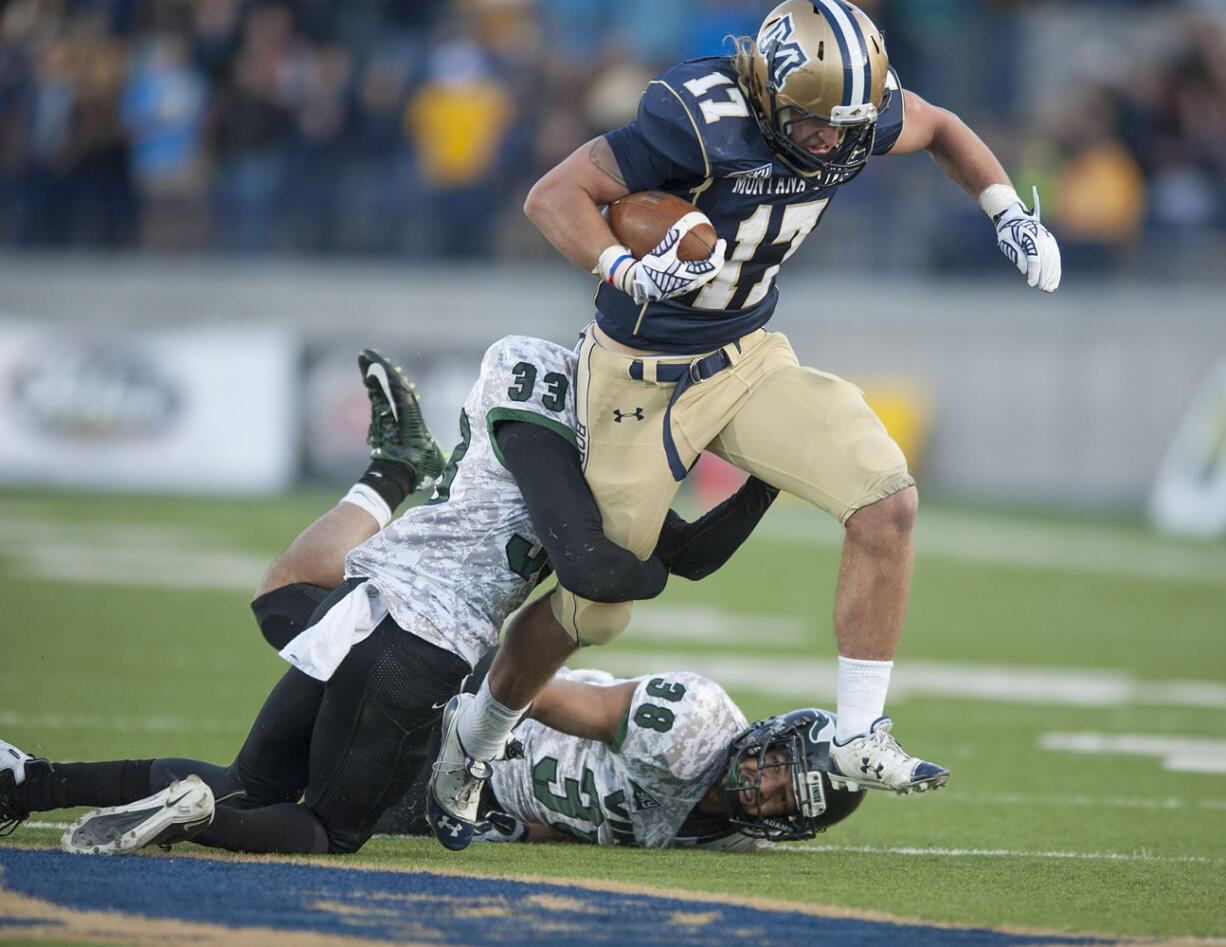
(396, 906)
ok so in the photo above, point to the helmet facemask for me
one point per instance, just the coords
(806, 784)
(821, 61)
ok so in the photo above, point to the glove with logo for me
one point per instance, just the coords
(500, 827)
(1024, 240)
(660, 274)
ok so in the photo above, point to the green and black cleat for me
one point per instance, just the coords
(398, 432)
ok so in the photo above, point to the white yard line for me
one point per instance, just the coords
(119, 723)
(41, 546)
(1139, 856)
(1008, 540)
(799, 678)
(1012, 799)
(141, 556)
(1179, 754)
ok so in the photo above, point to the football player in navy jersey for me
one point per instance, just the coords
(761, 142)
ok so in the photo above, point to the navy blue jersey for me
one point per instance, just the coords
(695, 137)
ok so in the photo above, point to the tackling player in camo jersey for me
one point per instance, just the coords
(761, 141)
(346, 732)
(425, 566)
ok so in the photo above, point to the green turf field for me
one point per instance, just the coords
(1071, 674)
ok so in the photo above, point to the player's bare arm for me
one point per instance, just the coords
(566, 203)
(601, 155)
(543, 833)
(589, 711)
(956, 149)
(970, 163)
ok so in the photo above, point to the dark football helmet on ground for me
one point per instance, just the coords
(804, 737)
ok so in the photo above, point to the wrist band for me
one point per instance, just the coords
(610, 259)
(613, 269)
(995, 199)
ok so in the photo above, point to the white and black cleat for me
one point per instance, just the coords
(176, 814)
(454, 793)
(874, 760)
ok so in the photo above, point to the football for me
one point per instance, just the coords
(641, 220)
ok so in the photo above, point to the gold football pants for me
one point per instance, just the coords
(807, 432)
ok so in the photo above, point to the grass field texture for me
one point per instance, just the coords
(1070, 673)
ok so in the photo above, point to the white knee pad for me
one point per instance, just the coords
(588, 622)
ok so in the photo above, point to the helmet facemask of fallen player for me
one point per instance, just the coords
(800, 741)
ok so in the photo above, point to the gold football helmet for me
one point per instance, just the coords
(820, 59)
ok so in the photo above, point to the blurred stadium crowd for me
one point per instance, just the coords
(413, 128)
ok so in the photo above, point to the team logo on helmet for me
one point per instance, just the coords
(820, 723)
(783, 54)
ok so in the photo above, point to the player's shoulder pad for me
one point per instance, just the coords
(707, 697)
(510, 350)
(703, 719)
(586, 676)
(696, 115)
(526, 379)
(685, 692)
(693, 683)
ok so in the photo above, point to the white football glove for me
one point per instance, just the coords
(500, 827)
(1029, 244)
(660, 275)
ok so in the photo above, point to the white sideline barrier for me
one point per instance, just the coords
(1066, 400)
(1189, 495)
(207, 408)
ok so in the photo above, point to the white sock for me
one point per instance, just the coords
(365, 498)
(862, 690)
(485, 725)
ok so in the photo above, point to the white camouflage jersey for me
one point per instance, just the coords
(640, 789)
(451, 571)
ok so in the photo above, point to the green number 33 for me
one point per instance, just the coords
(556, 386)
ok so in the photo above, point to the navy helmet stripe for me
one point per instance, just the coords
(857, 68)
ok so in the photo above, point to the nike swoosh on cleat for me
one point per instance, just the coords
(379, 373)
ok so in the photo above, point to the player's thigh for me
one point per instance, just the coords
(622, 444)
(272, 765)
(813, 435)
(372, 734)
(408, 815)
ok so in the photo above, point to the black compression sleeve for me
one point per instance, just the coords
(697, 549)
(567, 519)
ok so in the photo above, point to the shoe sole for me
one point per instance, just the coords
(192, 806)
(855, 785)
